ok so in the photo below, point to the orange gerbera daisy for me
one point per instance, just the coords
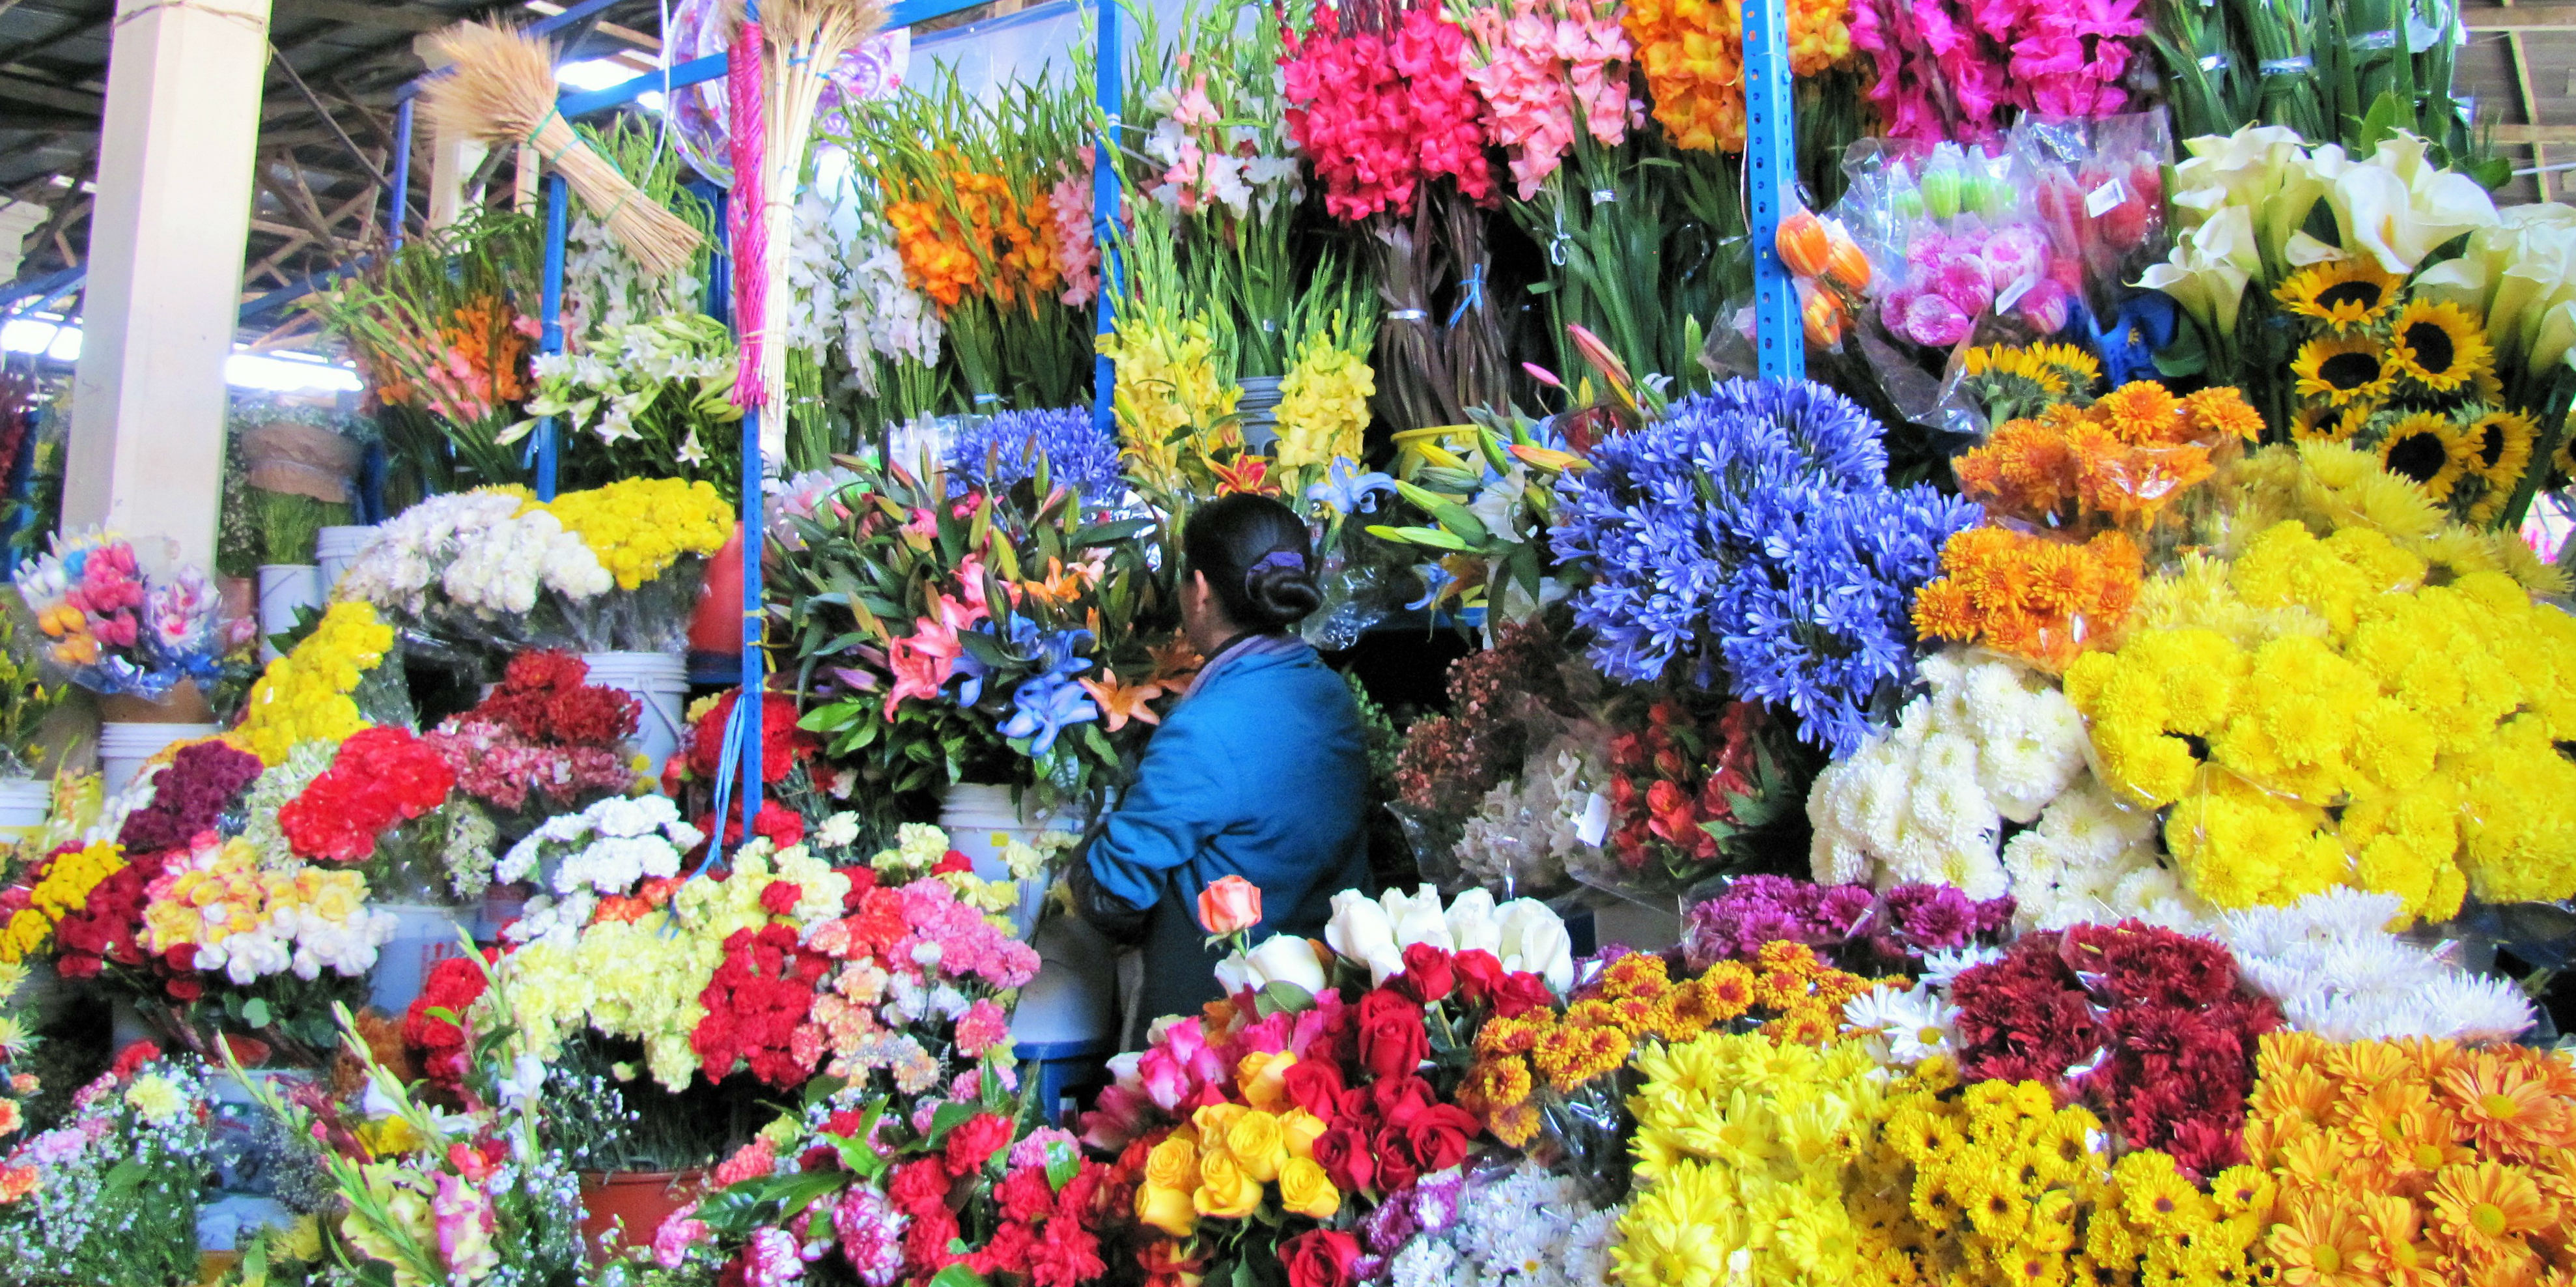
(2323, 1244)
(2503, 1107)
(2488, 1208)
(2302, 1093)
(2396, 1240)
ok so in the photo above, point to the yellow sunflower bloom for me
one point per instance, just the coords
(2429, 451)
(2343, 372)
(2503, 440)
(2345, 295)
(2438, 346)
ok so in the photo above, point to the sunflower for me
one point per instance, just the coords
(2429, 451)
(2319, 423)
(2342, 372)
(2503, 440)
(2345, 295)
(2438, 346)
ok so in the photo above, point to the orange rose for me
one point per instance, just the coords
(1230, 906)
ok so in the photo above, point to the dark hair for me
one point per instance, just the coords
(1257, 559)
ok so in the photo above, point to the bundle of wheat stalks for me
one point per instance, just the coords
(501, 89)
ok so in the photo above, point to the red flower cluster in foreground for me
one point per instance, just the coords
(757, 998)
(2147, 1023)
(382, 777)
(1045, 1233)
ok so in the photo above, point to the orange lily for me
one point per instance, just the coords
(1174, 660)
(1060, 585)
(1119, 705)
(1245, 475)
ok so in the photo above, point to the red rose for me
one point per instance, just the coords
(779, 898)
(182, 958)
(952, 861)
(1520, 993)
(1436, 1137)
(1392, 1040)
(1391, 1099)
(1346, 1157)
(1395, 1168)
(186, 990)
(1427, 974)
(1315, 1086)
(1478, 972)
(1320, 1258)
(974, 1142)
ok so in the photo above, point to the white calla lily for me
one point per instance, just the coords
(2208, 270)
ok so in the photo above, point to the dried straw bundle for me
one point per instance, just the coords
(502, 90)
(804, 40)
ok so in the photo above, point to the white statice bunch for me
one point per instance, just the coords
(410, 550)
(2336, 970)
(1905, 1026)
(499, 570)
(1525, 1227)
(1529, 829)
(1989, 742)
(1524, 934)
(2092, 858)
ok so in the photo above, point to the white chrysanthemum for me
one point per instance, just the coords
(2337, 972)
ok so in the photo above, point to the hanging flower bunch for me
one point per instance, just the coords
(2422, 1156)
(543, 733)
(2313, 674)
(113, 631)
(1735, 1179)
(1850, 923)
(379, 779)
(2039, 599)
(309, 694)
(2178, 1033)
(1380, 104)
(1548, 74)
(2120, 461)
(1720, 535)
(1693, 56)
(1964, 69)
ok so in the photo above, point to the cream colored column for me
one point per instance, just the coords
(165, 263)
(452, 158)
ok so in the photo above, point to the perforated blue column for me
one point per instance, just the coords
(1771, 177)
(1104, 214)
(402, 174)
(550, 338)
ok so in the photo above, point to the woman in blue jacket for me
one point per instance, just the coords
(1257, 772)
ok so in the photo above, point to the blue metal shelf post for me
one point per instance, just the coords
(550, 337)
(1771, 173)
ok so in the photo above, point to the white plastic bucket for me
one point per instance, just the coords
(660, 680)
(123, 747)
(24, 803)
(335, 548)
(424, 935)
(283, 588)
(1075, 994)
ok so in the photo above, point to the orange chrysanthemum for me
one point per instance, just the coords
(2322, 1244)
(2039, 599)
(2121, 460)
(2488, 1208)
(2503, 1107)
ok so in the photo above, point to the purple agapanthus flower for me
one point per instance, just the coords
(1753, 530)
(1005, 448)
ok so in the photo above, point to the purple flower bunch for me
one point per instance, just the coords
(1849, 922)
(1004, 449)
(1753, 529)
(191, 794)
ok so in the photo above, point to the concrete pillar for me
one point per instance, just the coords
(452, 159)
(17, 219)
(166, 238)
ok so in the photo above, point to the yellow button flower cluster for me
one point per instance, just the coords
(304, 696)
(639, 527)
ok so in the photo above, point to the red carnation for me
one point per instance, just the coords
(974, 1141)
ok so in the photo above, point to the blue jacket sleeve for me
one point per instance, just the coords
(1184, 793)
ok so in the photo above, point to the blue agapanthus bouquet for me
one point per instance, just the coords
(1752, 530)
(1005, 449)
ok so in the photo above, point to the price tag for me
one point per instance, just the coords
(2105, 199)
(1594, 826)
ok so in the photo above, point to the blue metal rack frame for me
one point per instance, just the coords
(1771, 178)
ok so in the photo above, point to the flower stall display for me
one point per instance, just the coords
(612, 569)
(118, 633)
(982, 637)
(110, 1194)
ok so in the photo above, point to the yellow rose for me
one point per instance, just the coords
(1169, 1210)
(1304, 1189)
(1255, 1141)
(1262, 1077)
(1299, 1129)
(1214, 1120)
(1225, 1192)
(1173, 1164)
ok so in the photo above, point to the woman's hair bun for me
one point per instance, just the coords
(1257, 558)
